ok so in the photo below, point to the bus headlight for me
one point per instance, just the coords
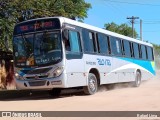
(18, 77)
(57, 72)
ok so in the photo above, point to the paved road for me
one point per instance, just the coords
(119, 97)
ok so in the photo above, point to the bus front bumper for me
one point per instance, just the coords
(48, 83)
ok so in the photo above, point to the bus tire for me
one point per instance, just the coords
(92, 86)
(137, 81)
(55, 92)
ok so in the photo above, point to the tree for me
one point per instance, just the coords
(157, 49)
(6, 25)
(123, 29)
(13, 11)
(47, 8)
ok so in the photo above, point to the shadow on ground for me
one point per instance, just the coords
(20, 95)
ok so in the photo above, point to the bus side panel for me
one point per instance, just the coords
(111, 69)
(103, 64)
(148, 70)
(122, 69)
(146, 75)
(75, 73)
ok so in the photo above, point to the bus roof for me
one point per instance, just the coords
(83, 25)
(93, 28)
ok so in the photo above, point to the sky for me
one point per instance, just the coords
(107, 11)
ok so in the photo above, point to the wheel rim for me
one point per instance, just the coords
(138, 79)
(92, 84)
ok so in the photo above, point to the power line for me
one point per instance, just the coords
(132, 3)
(149, 22)
(116, 9)
(151, 31)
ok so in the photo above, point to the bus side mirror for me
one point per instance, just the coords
(65, 34)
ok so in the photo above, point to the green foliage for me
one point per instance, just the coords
(157, 49)
(13, 11)
(48, 8)
(6, 24)
(123, 29)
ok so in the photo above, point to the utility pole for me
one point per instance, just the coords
(132, 21)
(141, 30)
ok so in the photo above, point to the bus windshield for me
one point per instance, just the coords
(37, 49)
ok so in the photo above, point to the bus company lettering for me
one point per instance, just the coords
(104, 61)
(90, 63)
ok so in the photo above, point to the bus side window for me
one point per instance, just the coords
(126, 48)
(73, 44)
(89, 41)
(136, 50)
(92, 40)
(109, 45)
(132, 50)
(116, 48)
(143, 52)
(146, 53)
(102, 41)
(150, 53)
(140, 51)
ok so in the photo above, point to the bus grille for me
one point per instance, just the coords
(33, 77)
(39, 71)
(37, 83)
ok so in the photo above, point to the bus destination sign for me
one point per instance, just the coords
(37, 25)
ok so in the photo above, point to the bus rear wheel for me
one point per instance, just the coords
(137, 81)
(92, 86)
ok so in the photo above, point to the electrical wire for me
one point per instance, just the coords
(136, 3)
(148, 22)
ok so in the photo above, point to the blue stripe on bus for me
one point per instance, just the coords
(145, 64)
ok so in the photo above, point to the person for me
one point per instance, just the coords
(10, 75)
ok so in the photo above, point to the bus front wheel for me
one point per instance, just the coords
(92, 86)
(55, 92)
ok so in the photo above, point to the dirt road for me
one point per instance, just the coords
(120, 98)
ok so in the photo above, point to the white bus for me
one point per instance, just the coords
(57, 52)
